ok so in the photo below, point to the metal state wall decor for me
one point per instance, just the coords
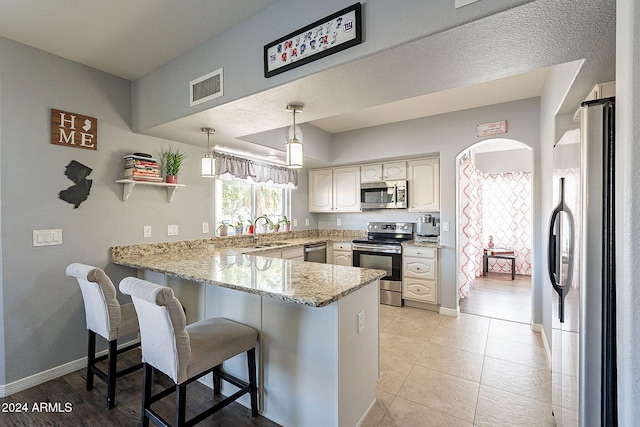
(324, 37)
(78, 193)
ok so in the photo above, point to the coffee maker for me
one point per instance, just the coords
(427, 229)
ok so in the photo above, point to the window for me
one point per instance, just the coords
(238, 201)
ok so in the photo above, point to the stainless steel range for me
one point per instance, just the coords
(382, 250)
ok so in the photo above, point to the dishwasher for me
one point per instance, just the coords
(316, 252)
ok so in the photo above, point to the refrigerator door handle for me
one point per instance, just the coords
(562, 287)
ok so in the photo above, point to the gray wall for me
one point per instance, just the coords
(162, 95)
(44, 323)
(446, 136)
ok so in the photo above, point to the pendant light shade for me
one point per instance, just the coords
(295, 149)
(208, 167)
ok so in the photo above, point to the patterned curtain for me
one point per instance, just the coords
(506, 203)
(471, 239)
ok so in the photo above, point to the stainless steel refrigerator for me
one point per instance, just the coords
(581, 260)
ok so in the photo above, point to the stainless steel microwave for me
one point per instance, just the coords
(384, 195)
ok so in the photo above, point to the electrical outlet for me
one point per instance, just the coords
(146, 231)
(295, 222)
(306, 222)
(338, 222)
(445, 226)
(172, 230)
(205, 227)
(360, 321)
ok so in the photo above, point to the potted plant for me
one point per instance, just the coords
(286, 223)
(239, 227)
(251, 227)
(172, 162)
(222, 228)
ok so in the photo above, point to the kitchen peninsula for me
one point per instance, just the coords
(318, 353)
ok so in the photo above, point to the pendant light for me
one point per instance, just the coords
(208, 162)
(295, 151)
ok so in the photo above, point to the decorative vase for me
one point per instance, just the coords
(286, 227)
(250, 229)
(223, 231)
(171, 179)
(239, 230)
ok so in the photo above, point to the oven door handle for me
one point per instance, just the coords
(376, 248)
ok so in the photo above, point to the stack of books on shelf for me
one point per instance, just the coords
(140, 168)
(499, 251)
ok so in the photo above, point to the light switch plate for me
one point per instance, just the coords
(338, 222)
(445, 226)
(205, 227)
(306, 222)
(47, 237)
(295, 222)
(172, 230)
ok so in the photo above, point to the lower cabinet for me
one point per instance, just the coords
(420, 274)
(342, 254)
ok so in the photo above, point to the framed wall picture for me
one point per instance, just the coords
(324, 37)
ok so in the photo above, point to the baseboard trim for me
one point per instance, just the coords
(450, 311)
(50, 374)
(547, 348)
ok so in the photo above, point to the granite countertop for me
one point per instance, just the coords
(242, 268)
(422, 244)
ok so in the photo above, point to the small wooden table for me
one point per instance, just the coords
(485, 263)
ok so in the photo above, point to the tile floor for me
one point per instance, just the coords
(440, 370)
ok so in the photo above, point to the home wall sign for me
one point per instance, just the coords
(74, 130)
(493, 128)
(324, 37)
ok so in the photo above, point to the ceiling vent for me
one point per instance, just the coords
(206, 88)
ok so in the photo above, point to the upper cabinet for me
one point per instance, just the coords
(383, 172)
(334, 190)
(424, 185)
(321, 190)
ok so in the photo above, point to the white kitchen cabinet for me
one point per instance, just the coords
(379, 172)
(420, 274)
(424, 185)
(394, 171)
(342, 254)
(346, 189)
(321, 190)
(334, 190)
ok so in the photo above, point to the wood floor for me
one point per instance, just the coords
(79, 407)
(499, 297)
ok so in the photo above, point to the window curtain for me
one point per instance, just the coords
(230, 168)
(506, 204)
(471, 241)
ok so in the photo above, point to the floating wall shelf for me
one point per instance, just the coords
(129, 184)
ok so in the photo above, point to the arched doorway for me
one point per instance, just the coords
(494, 229)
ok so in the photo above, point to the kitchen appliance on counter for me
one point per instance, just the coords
(384, 195)
(427, 229)
(382, 250)
(582, 263)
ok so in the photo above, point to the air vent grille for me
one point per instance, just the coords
(206, 88)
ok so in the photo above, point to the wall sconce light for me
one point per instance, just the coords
(208, 169)
(295, 150)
